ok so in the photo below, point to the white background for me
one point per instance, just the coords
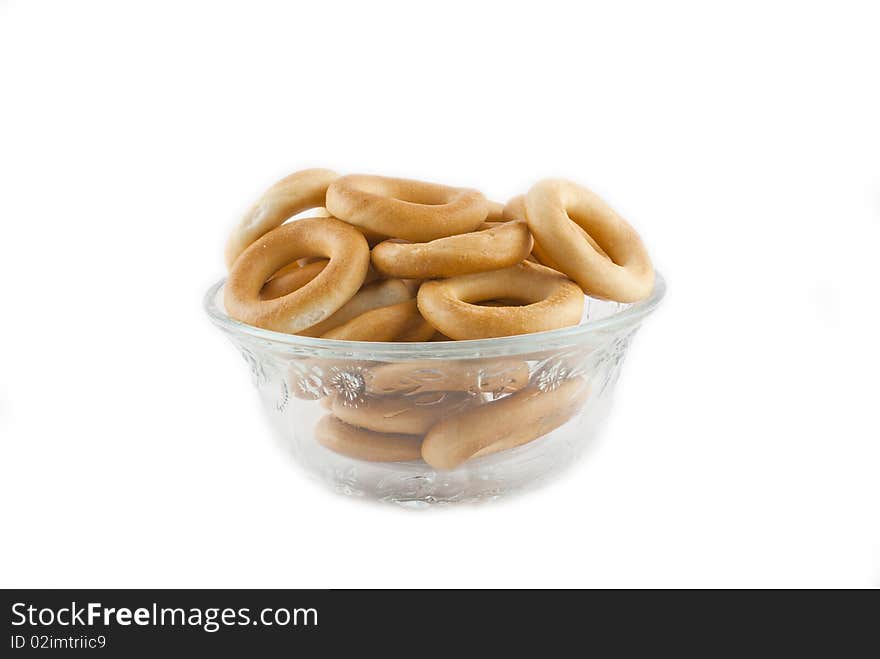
(743, 141)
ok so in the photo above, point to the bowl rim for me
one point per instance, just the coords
(627, 316)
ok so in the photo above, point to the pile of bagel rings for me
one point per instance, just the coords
(389, 259)
(395, 260)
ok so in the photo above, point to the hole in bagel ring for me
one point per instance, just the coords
(402, 208)
(337, 282)
(554, 207)
(291, 279)
(552, 301)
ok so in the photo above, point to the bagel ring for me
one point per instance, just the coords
(516, 210)
(496, 212)
(362, 444)
(291, 195)
(408, 415)
(337, 282)
(477, 376)
(394, 322)
(552, 301)
(406, 209)
(371, 296)
(418, 330)
(624, 275)
(503, 424)
(494, 248)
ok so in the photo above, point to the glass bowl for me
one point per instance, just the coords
(345, 409)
